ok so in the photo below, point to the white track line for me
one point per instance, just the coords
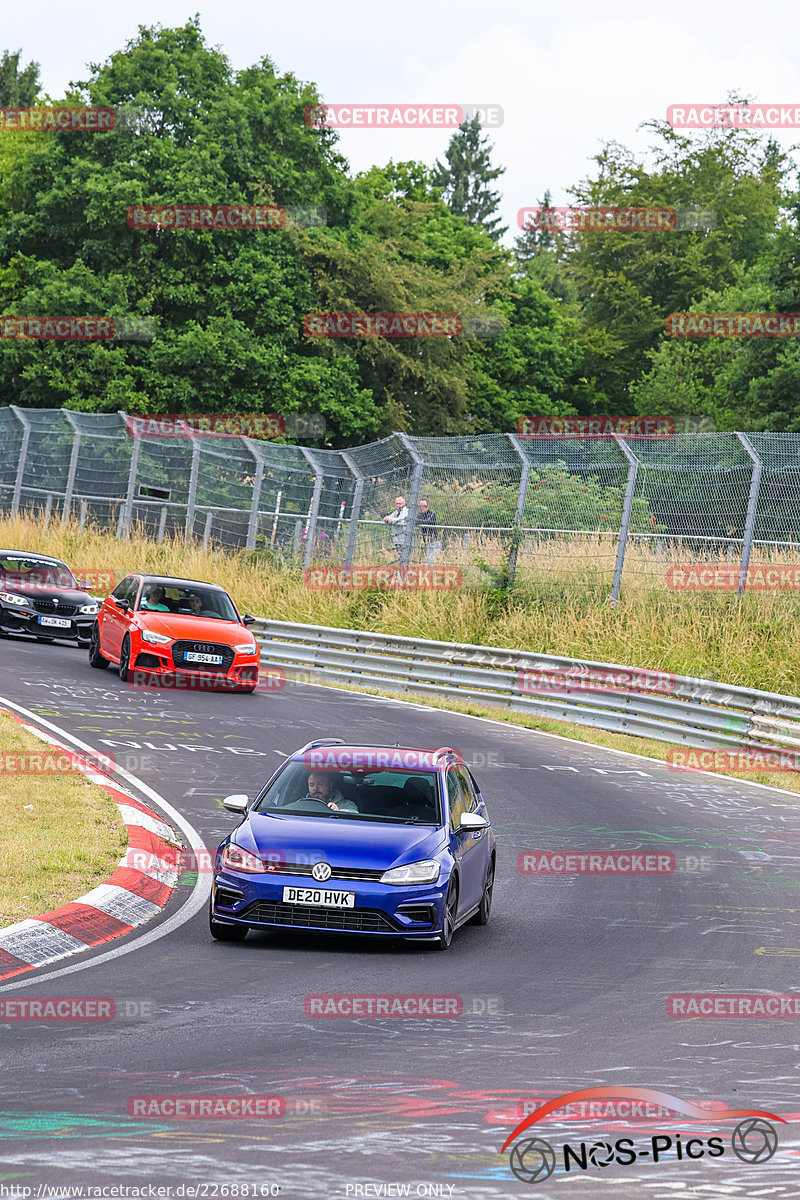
(195, 901)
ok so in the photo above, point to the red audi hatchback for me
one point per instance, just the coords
(159, 628)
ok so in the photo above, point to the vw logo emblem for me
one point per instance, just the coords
(321, 871)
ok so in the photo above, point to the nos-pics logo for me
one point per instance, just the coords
(532, 1159)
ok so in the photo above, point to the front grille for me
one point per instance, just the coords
(178, 649)
(362, 873)
(298, 916)
(56, 610)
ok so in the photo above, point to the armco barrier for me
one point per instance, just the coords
(700, 713)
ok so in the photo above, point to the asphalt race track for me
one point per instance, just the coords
(566, 988)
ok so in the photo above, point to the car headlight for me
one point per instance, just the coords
(149, 635)
(246, 648)
(238, 859)
(10, 598)
(89, 610)
(425, 871)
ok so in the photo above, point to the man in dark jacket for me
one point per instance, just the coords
(425, 522)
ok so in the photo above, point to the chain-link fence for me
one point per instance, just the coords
(504, 509)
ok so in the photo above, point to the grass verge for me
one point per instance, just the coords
(751, 642)
(60, 835)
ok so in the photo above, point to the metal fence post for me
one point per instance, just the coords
(627, 508)
(23, 454)
(413, 499)
(191, 502)
(258, 478)
(355, 509)
(127, 511)
(73, 466)
(752, 505)
(519, 515)
(319, 479)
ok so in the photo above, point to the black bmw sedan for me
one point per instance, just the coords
(40, 595)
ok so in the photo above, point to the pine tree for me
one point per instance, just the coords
(18, 89)
(466, 177)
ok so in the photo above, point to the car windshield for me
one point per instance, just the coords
(187, 601)
(393, 797)
(32, 574)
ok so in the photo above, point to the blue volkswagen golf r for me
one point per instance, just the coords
(380, 840)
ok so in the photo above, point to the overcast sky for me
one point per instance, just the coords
(568, 75)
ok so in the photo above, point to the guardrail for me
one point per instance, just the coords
(700, 713)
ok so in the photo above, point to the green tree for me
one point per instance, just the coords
(466, 178)
(18, 88)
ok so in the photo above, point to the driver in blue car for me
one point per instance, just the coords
(320, 787)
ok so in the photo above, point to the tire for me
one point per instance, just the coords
(444, 939)
(482, 915)
(225, 933)
(125, 658)
(96, 659)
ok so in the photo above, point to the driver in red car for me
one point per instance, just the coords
(154, 599)
(320, 787)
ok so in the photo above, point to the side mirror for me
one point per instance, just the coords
(471, 820)
(247, 619)
(122, 605)
(83, 583)
(237, 803)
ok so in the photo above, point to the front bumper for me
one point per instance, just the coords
(381, 910)
(14, 619)
(152, 667)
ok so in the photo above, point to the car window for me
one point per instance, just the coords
(33, 573)
(474, 791)
(126, 590)
(459, 798)
(386, 796)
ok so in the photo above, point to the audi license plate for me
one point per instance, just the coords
(193, 656)
(319, 897)
(55, 622)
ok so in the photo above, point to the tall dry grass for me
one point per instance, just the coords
(560, 606)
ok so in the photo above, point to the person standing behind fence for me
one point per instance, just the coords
(397, 521)
(425, 521)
